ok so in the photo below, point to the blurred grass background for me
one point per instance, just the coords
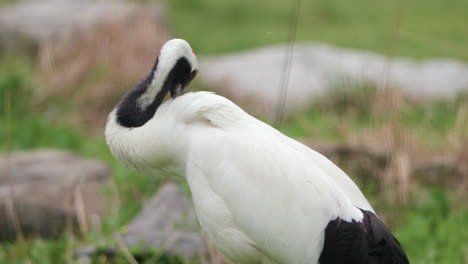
(433, 28)
(430, 224)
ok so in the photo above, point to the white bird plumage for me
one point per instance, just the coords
(260, 196)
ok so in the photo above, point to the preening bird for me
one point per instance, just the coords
(260, 196)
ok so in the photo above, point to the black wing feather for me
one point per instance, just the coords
(368, 241)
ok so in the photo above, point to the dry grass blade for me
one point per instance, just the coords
(80, 209)
(124, 249)
(286, 72)
(398, 174)
(9, 180)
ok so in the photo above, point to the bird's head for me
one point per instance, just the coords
(174, 69)
(179, 58)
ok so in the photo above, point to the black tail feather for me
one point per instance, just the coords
(365, 242)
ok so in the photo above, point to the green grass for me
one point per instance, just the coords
(349, 109)
(433, 28)
(434, 231)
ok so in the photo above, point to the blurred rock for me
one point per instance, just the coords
(100, 47)
(371, 161)
(42, 22)
(168, 222)
(44, 191)
(254, 77)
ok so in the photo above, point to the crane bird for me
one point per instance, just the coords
(260, 196)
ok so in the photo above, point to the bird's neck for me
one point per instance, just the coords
(141, 102)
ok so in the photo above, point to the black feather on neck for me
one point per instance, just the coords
(130, 114)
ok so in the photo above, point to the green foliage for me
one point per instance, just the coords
(350, 108)
(25, 128)
(350, 98)
(36, 251)
(7, 1)
(426, 28)
(146, 256)
(432, 123)
(434, 232)
(13, 85)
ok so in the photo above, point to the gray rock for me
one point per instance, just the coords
(168, 222)
(44, 191)
(59, 167)
(315, 68)
(40, 21)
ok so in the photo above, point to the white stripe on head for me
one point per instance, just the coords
(170, 52)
